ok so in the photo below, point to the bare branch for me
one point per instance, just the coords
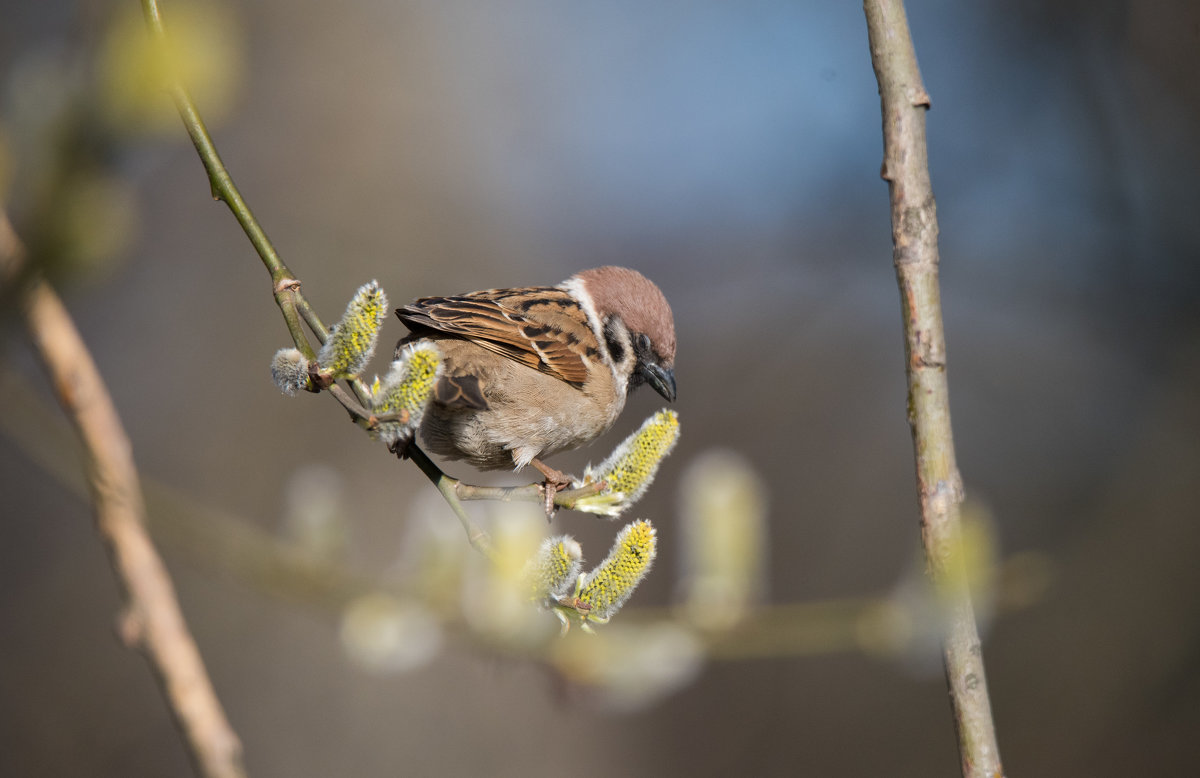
(904, 103)
(151, 620)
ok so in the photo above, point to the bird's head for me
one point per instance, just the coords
(639, 329)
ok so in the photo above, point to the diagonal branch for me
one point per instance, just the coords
(285, 285)
(904, 103)
(151, 621)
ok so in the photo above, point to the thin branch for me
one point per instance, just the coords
(904, 103)
(151, 620)
(353, 407)
(311, 319)
(296, 308)
(456, 492)
(528, 493)
(478, 538)
(284, 283)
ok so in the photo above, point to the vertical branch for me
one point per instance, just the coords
(151, 621)
(904, 102)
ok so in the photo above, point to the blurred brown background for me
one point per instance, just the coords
(730, 152)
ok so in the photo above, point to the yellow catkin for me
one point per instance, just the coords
(554, 569)
(352, 340)
(406, 389)
(604, 590)
(631, 468)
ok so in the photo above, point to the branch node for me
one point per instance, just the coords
(287, 285)
(318, 379)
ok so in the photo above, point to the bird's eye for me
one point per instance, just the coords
(642, 342)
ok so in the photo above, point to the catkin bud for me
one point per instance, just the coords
(289, 370)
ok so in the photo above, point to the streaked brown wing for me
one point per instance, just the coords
(542, 327)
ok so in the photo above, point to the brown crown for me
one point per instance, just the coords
(639, 303)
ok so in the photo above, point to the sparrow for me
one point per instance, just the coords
(531, 371)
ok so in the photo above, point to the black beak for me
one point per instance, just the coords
(662, 379)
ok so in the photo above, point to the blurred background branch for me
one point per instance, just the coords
(151, 620)
(718, 593)
(903, 103)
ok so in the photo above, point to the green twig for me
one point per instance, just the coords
(356, 409)
(528, 493)
(478, 538)
(456, 492)
(296, 308)
(311, 319)
(285, 285)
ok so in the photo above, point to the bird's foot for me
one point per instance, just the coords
(556, 481)
(402, 448)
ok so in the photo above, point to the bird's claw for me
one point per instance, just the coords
(555, 482)
(550, 490)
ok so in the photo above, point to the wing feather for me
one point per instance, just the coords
(542, 327)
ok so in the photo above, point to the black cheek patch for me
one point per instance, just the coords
(616, 349)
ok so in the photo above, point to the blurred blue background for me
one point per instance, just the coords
(731, 152)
